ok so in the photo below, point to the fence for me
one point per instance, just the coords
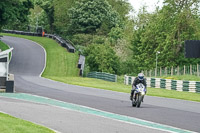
(179, 85)
(179, 70)
(64, 43)
(103, 76)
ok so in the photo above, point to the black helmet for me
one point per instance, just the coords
(141, 76)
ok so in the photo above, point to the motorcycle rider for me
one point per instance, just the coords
(139, 79)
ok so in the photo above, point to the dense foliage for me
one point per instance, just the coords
(89, 15)
(13, 13)
(165, 31)
(61, 17)
(102, 58)
(47, 6)
(122, 7)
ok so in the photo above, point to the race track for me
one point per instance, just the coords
(28, 61)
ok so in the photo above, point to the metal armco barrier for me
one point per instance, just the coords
(64, 43)
(103, 76)
(178, 85)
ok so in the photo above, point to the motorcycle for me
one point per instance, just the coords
(139, 94)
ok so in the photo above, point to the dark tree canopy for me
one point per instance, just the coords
(61, 17)
(47, 6)
(12, 11)
(89, 15)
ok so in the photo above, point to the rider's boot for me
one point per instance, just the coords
(131, 97)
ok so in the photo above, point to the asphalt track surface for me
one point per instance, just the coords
(28, 62)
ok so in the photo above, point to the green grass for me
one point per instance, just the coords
(190, 96)
(95, 83)
(182, 77)
(59, 62)
(64, 69)
(9, 124)
(3, 46)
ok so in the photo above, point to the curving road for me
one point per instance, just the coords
(27, 64)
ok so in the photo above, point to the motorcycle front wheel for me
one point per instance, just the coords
(139, 100)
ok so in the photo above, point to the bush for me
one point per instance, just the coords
(102, 58)
(86, 39)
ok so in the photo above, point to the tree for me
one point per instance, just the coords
(183, 24)
(165, 30)
(89, 15)
(102, 58)
(122, 7)
(61, 17)
(47, 6)
(115, 34)
(14, 11)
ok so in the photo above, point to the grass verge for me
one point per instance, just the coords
(65, 70)
(11, 124)
(182, 77)
(120, 87)
(3, 46)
